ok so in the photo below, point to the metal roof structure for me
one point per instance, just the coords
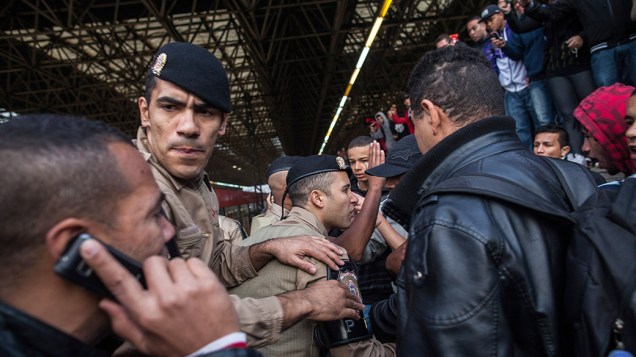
(288, 61)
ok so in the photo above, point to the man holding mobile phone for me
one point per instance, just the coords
(512, 73)
(43, 314)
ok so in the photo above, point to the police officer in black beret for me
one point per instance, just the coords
(322, 200)
(184, 110)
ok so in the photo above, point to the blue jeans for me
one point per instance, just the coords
(542, 106)
(519, 107)
(608, 64)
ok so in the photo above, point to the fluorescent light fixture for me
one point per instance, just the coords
(343, 101)
(374, 31)
(354, 76)
(356, 71)
(363, 56)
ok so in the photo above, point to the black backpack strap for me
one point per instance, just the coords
(577, 182)
(623, 212)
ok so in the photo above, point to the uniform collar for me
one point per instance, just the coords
(277, 210)
(144, 147)
(308, 218)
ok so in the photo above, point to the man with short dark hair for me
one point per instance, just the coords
(551, 141)
(358, 154)
(484, 266)
(443, 40)
(91, 180)
(477, 31)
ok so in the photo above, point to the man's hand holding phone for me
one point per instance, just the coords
(184, 308)
(496, 40)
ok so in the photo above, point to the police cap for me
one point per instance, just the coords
(194, 69)
(281, 164)
(313, 165)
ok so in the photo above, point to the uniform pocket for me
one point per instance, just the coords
(190, 242)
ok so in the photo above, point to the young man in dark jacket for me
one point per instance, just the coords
(483, 272)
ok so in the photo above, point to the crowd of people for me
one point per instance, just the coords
(550, 55)
(439, 234)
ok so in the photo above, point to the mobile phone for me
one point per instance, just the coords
(72, 267)
(348, 276)
(495, 35)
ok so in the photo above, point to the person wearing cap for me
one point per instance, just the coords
(485, 265)
(276, 175)
(513, 76)
(322, 200)
(184, 110)
(530, 47)
(602, 115)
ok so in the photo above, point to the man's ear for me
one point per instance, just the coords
(143, 112)
(433, 115)
(565, 150)
(317, 198)
(58, 236)
(223, 124)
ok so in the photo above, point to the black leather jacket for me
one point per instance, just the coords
(24, 336)
(482, 276)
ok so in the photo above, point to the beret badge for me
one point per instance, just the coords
(341, 163)
(160, 62)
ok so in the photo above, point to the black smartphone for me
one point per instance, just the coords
(72, 267)
(495, 35)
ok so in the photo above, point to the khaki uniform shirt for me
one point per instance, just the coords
(192, 206)
(277, 278)
(232, 230)
(265, 219)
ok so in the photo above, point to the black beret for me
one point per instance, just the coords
(313, 165)
(281, 164)
(194, 69)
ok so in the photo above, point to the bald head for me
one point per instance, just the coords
(276, 183)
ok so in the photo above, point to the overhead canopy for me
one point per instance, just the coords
(288, 62)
